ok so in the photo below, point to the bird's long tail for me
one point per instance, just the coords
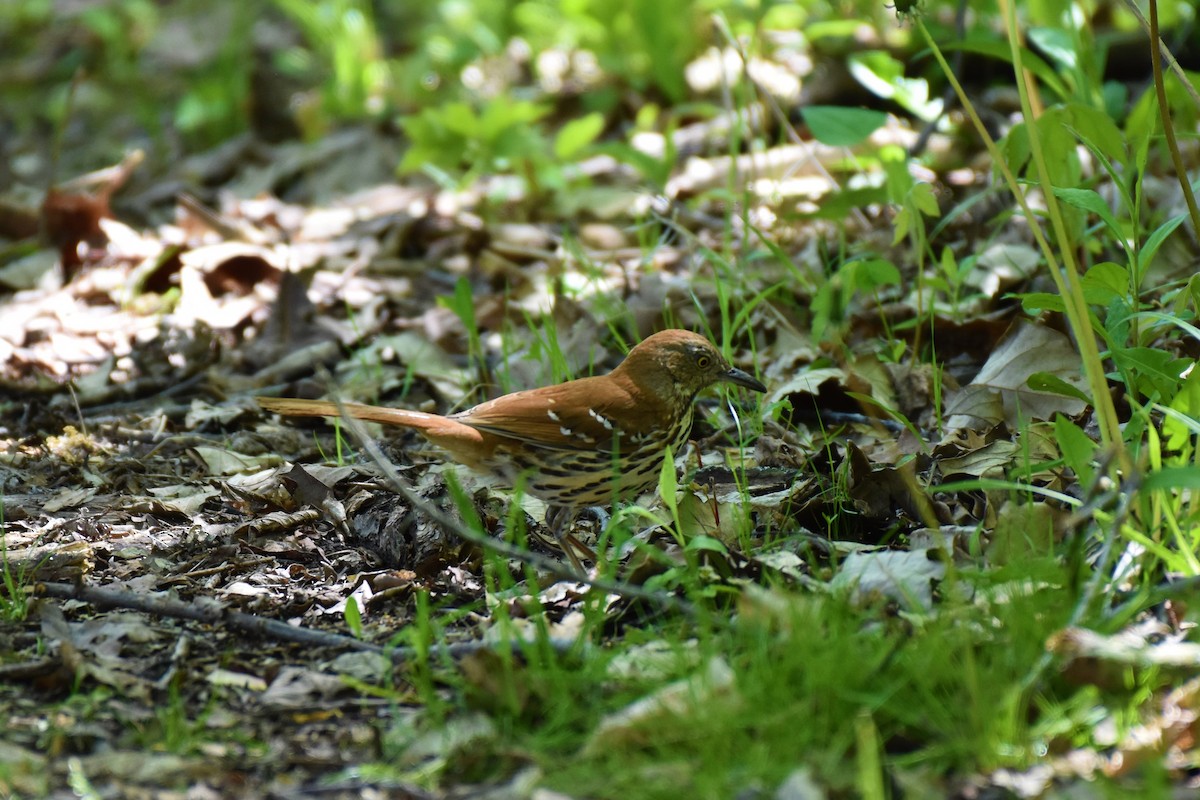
(294, 407)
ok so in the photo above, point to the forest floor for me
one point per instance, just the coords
(894, 574)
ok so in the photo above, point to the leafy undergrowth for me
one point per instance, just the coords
(951, 552)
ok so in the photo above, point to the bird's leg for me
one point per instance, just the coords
(559, 519)
(598, 514)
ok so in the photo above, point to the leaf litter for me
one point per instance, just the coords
(140, 464)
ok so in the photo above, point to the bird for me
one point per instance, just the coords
(583, 443)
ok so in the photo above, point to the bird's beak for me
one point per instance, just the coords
(735, 375)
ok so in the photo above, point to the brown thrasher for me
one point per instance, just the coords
(582, 443)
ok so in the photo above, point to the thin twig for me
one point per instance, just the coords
(205, 610)
(28, 670)
(213, 612)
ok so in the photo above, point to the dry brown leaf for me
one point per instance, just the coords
(1000, 392)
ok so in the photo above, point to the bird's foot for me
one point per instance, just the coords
(559, 520)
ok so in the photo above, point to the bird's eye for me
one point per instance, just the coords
(703, 362)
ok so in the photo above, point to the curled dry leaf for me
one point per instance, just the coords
(1001, 391)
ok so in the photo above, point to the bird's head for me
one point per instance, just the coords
(679, 364)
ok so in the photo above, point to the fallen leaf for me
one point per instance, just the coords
(1000, 392)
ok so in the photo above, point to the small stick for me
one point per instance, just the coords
(214, 613)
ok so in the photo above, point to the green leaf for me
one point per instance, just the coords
(1104, 283)
(462, 303)
(1033, 302)
(831, 29)
(1059, 147)
(1180, 426)
(869, 275)
(578, 134)
(1141, 124)
(1096, 127)
(842, 127)
(1172, 478)
(839, 204)
(459, 118)
(825, 309)
(1116, 99)
(353, 618)
(668, 483)
(1089, 200)
(1077, 448)
(949, 265)
(1160, 369)
(707, 544)
(924, 199)
(1160, 234)
(1170, 319)
(1048, 382)
(501, 114)
(1057, 44)
(897, 177)
(901, 224)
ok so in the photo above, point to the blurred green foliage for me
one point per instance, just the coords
(190, 74)
(476, 85)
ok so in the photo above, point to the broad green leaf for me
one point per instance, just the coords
(459, 118)
(897, 178)
(842, 127)
(1046, 382)
(1077, 448)
(925, 200)
(1033, 302)
(1186, 403)
(1105, 282)
(1116, 99)
(1160, 369)
(706, 543)
(1095, 127)
(1089, 200)
(1156, 239)
(502, 114)
(901, 224)
(949, 265)
(869, 275)
(1057, 44)
(1059, 147)
(577, 134)
(1172, 478)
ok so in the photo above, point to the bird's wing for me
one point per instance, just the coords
(577, 415)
